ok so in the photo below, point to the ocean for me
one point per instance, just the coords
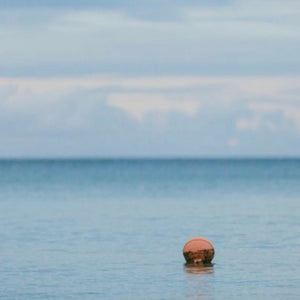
(115, 228)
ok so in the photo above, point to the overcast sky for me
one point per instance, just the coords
(148, 78)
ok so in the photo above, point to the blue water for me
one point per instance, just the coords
(115, 229)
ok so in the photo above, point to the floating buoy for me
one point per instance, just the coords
(198, 250)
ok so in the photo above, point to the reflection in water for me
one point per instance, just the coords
(199, 281)
(199, 269)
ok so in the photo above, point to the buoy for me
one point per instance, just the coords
(198, 250)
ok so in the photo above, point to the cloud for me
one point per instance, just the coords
(140, 105)
(160, 115)
(169, 9)
(237, 37)
(138, 96)
(248, 124)
(187, 76)
(289, 110)
(154, 9)
(233, 142)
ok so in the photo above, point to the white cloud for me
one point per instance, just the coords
(243, 124)
(195, 111)
(255, 123)
(290, 111)
(139, 106)
(238, 36)
(233, 142)
(140, 96)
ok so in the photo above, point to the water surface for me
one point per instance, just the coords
(115, 229)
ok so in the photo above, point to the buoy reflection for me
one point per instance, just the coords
(199, 269)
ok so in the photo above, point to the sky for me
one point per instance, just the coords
(167, 78)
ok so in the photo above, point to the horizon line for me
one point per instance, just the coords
(162, 157)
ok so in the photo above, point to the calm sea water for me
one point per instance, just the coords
(115, 229)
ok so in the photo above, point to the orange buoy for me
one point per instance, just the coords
(198, 250)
